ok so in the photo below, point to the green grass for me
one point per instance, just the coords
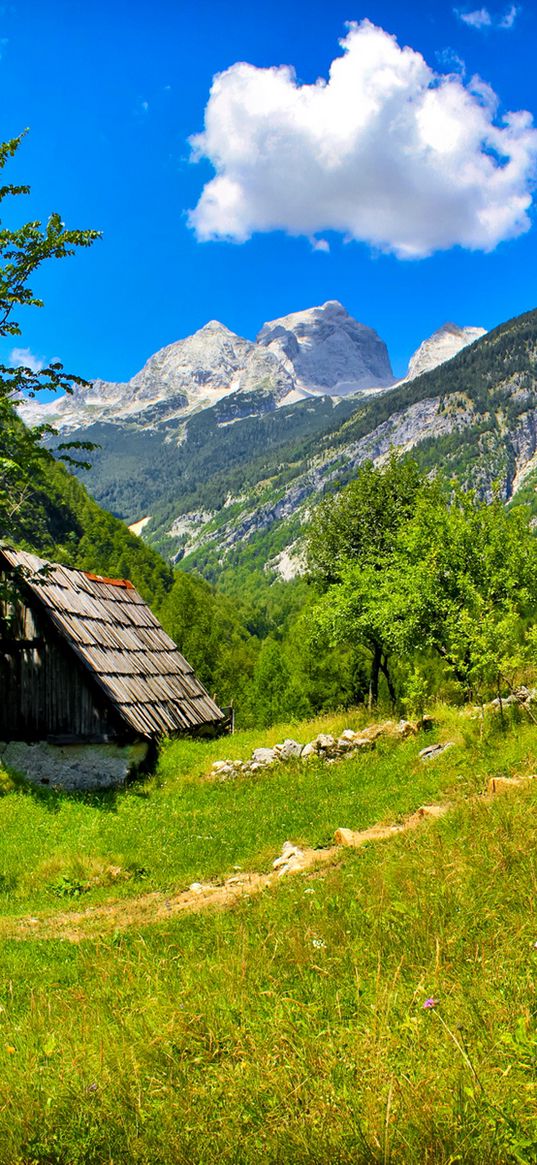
(178, 827)
(291, 1028)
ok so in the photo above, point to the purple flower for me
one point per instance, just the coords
(429, 1003)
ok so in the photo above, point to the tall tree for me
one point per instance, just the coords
(350, 542)
(456, 576)
(22, 252)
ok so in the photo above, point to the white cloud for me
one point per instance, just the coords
(386, 151)
(25, 358)
(508, 20)
(482, 18)
(321, 245)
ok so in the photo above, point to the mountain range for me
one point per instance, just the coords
(217, 448)
(322, 351)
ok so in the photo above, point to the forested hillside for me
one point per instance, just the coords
(231, 488)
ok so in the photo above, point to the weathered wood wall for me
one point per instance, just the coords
(43, 692)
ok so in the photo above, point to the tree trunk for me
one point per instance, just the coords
(388, 678)
(375, 672)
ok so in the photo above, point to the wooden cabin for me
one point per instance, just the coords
(89, 680)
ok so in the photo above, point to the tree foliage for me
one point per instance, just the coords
(427, 573)
(22, 252)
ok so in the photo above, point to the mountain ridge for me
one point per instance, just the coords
(316, 352)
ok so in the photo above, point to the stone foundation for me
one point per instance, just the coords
(73, 766)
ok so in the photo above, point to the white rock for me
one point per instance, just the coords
(324, 741)
(289, 749)
(441, 346)
(434, 750)
(289, 860)
(405, 728)
(308, 751)
(264, 756)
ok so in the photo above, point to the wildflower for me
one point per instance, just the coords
(10, 1049)
(430, 1003)
(318, 944)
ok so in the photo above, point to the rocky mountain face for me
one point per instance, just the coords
(217, 448)
(445, 343)
(322, 351)
(325, 350)
(311, 353)
(474, 417)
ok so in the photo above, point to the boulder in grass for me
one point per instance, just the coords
(405, 729)
(264, 756)
(324, 742)
(289, 750)
(308, 751)
(289, 861)
(434, 750)
(223, 769)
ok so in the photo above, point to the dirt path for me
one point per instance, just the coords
(122, 913)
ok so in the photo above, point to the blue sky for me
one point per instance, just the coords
(112, 92)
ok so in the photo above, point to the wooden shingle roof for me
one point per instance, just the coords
(118, 639)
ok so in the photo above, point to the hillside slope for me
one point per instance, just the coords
(213, 430)
(473, 417)
(60, 521)
(378, 1008)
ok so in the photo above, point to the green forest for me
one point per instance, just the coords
(415, 587)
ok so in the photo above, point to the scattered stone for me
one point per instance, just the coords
(288, 750)
(324, 742)
(348, 734)
(324, 746)
(406, 729)
(367, 737)
(264, 756)
(290, 859)
(307, 751)
(434, 750)
(344, 744)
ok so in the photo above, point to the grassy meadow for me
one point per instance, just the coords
(290, 1028)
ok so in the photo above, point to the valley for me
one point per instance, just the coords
(220, 444)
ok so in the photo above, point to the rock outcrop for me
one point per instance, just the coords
(325, 350)
(443, 345)
(322, 351)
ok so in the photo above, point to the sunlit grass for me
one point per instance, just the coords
(179, 827)
(292, 1028)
